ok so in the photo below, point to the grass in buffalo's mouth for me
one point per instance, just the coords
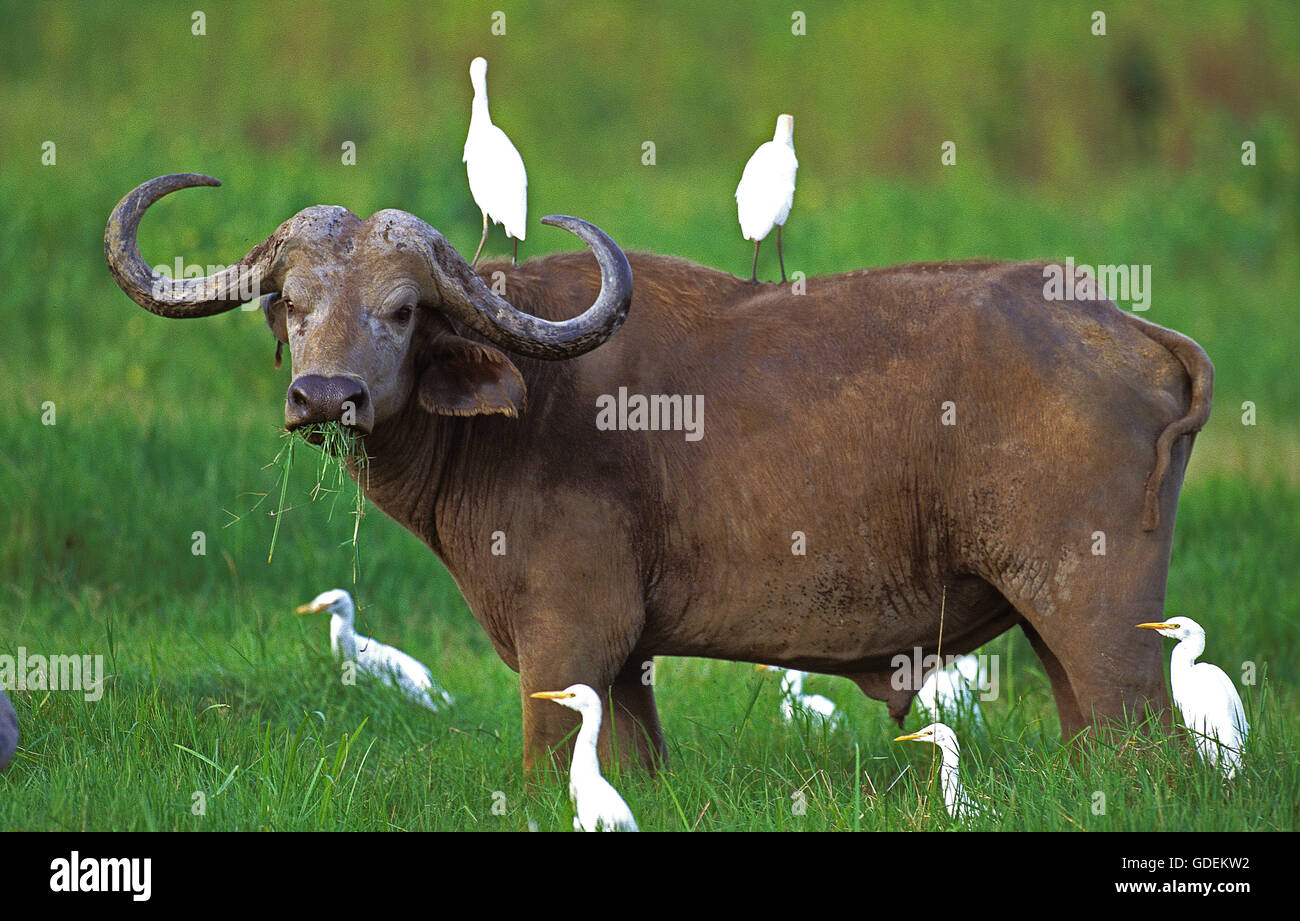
(339, 449)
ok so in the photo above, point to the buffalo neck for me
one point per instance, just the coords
(437, 475)
(407, 456)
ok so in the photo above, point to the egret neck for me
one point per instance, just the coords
(954, 797)
(586, 763)
(1184, 655)
(343, 639)
(479, 108)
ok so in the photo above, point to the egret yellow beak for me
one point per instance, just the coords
(309, 609)
(764, 668)
(1157, 626)
(552, 695)
(910, 737)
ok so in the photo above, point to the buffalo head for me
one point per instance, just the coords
(372, 310)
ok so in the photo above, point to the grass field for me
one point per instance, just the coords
(165, 429)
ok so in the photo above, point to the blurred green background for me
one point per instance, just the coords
(1123, 148)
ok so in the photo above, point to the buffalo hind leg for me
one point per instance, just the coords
(1082, 624)
(1072, 720)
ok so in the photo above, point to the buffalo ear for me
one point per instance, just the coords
(273, 309)
(465, 378)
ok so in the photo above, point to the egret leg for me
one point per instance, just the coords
(779, 257)
(753, 273)
(483, 240)
(514, 259)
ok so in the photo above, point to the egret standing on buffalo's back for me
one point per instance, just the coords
(766, 191)
(497, 179)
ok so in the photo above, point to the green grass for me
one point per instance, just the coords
(231, 695)
(226, 672)
(164, 429)
(342, 466)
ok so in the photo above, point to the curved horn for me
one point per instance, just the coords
(178, 298)
(467, 297)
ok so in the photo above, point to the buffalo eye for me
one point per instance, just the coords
(403, 314)
(288, 306)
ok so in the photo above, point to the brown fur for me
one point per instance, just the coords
(822, 415)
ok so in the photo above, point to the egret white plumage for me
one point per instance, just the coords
(955, 799)
(793, 699)
(497, 178)
(597, 806)
(766, 191)
(8, 730)
(951, 691)
(390, 666)
(1206, 697)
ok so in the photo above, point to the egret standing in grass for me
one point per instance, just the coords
(391, 666)
(951, 691)
(959, 805)
(1209, 702)
(597, 806)
(497, 179)
(794, 699)
(766, 190)
(8, 730)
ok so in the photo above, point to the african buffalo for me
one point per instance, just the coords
(941, 435)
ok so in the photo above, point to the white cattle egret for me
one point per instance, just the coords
(794, 699)
(597, 806)
(8, 730)
(497, 179)
(390, 666)
(1209, 702)
(766, 190)
(951, 691)
(959, 805)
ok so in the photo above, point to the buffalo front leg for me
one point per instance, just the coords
(629, 725)
(582, 630)
(580, 627)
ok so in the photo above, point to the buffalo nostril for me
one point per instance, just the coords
(355, 394)
(298, 398)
